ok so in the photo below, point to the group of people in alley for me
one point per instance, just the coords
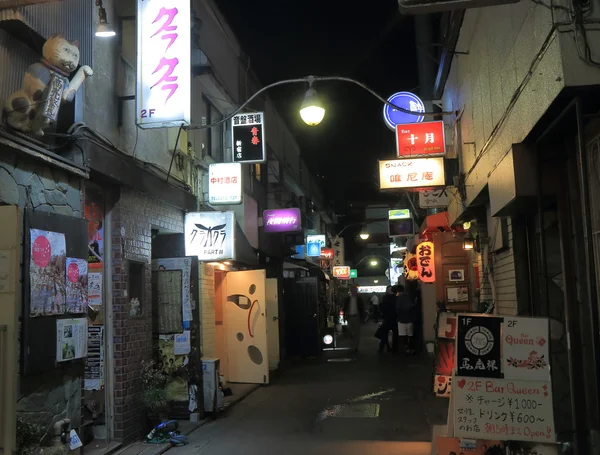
(397, 309)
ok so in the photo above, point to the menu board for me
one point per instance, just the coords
(503, 409)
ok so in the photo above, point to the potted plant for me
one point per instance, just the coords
(153, 394)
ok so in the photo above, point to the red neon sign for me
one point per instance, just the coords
(420, 139)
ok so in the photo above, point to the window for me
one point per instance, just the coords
(216, 134)
(257, 171)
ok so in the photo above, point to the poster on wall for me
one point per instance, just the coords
(172, 364)
(77, 285)
(71, 339)
(504, 409)
(47, 273)
(94, 214)
(185, 266)
(95, 288)
(94, 364)
(478, 346)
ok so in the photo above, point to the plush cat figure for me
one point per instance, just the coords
(45, 86)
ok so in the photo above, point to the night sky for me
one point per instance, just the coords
(367, 41)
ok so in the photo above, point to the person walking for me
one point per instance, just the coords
(405, 311)
(390, 320)
(374, 301)
(354, 310)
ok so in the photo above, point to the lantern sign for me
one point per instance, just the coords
(282, 220)
(411, 173)
(210, 235)
(405, 100)
(420, 139)
(342, 272)
(225, 184)
(163, 63)
(426, 262)
(248, 138)
(411, 267)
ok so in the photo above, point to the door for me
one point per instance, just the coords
(301, 315)
(246, 327)
(273, 323)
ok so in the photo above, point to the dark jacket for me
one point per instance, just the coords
(359, 303)
(388, 308)
(405, 308)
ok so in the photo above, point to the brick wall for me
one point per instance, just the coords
(206, 282)
(133, 217)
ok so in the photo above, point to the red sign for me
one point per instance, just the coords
(418, 139)
(341, 272)
(426, 262)
(327, 253)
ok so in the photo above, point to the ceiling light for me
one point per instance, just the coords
(375, 281)
(373, 262)
(103, 30)
(364, 233)
(312, 111)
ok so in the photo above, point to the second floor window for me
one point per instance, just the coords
(214, 135)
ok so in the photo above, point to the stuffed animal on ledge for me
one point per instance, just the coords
(46, 86)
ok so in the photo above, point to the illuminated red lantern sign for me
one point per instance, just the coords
(420, 139)
(426, 262)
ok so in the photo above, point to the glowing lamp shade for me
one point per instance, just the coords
(103, 30)
(374, 262)
(328, 339)
(468, 242)
(364, 234)
(312, 111)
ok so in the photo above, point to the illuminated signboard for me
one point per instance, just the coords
(313, 249)
(429, 199)
(418, 139)
(426, 262)
(405, 100)
(399, 214)
(282, 220)
(225, 184)
(248, 138)
(411, 173)
(320, 238)
(327, 253)
(163, 63)
(210, 235)
(353, 273)
(341, 272)
(371, 289)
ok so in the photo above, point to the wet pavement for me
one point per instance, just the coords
(366, 404)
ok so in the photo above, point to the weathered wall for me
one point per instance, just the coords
(132, 218)
(207, 302)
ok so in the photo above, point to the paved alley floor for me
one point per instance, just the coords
(362, 403)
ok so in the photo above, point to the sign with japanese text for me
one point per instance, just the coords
(248, 138)
(444, 364)
(371, 289)
(163, 63)
(479, 346)
(425, 259)
(503, 409)
(319, 238)
(411, 267)
(339, 256)
(210, 235)
(431, 199)
(327, 253)
(225, 184)
(411, 173)
(399, 214)
(282, 220)
(404, 100)
(341, 272)
(525, 348)
(446, 325)
(420, 139)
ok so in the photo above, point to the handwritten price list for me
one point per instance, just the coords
(503, 409)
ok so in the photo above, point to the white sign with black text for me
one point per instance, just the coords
(431, 199)
(210, 235)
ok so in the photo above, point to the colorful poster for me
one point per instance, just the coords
(456, 446)
(95, 288)
(167, 360)
(479, 346)
(47, 273)
(71, 339)
(185, 265)
(94, 364)
(76, 285)
(94, 213)
(503, 409)
(526, 349)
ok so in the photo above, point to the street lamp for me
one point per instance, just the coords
(373, 262)
(364, 233)
(312, 111)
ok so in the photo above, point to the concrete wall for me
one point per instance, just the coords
(207, 301)
(133, 218)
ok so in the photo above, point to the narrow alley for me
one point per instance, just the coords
(342, 403)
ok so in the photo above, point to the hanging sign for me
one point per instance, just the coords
(339, 257)
(248, 138)
(319, 238)
(353, 273)
(479, 346)
(342, 272)
(399, 214)
(327, 253)
(405, 100)
(313, 249)
(282, 220)
(163, 63)
(426, 262)
(411, 267)
(503, 409)
(225, 184)
(420, 139)
(431, 199)
(210, 235)
(411, 173)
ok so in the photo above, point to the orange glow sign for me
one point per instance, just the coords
(426, 263)
(342, 272)
(411, 267)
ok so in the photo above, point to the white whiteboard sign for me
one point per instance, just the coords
(502, 409)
